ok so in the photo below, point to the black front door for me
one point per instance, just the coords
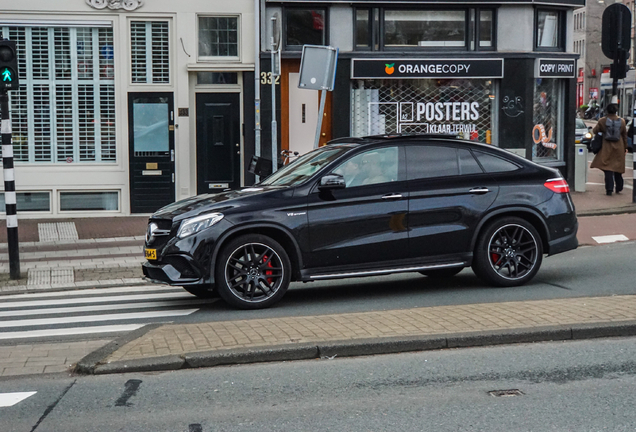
(151, 143)
(218, 142)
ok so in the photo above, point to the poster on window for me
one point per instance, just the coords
(458, 107)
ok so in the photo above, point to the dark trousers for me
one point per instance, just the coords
(610, 177)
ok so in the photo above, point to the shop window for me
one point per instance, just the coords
(547, 133)
(549, 28)
(363, 28)
(460, 107)
(485, 34)
(305, 27)
(29, 202)
(64, 111)
(217, 78)
(150, 52)
(89, 201)
(466, 28)
(424, 28)
(218, 37)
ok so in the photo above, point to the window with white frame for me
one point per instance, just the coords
(64, 111)
(218, 37)
(150, 52)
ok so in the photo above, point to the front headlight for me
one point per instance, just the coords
(199, 223)
(588, 135)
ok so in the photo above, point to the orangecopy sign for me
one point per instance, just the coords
(429, 68)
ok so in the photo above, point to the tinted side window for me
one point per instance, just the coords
(495, 164)
(467, 163)
(431, 161)
(371, 167)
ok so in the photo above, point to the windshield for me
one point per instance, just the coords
(305, 166)
(580, 124)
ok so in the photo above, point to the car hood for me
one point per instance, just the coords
(580, 131)
(205, 203)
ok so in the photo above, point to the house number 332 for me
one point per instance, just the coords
(266, 78)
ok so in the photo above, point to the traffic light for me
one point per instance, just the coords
(9, 78)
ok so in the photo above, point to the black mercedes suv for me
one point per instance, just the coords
(431, 204)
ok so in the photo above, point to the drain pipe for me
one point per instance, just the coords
(257, 78)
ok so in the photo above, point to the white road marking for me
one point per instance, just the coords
(70, 331)
(106, 299)
(120, 306)
(99, 291)
(10, 399)
(95, 318)
(610, 238)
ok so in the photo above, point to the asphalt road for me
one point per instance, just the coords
(565, 386)
(588, 271)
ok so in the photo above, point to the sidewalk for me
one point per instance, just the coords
(173, 347)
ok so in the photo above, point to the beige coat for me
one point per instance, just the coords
(612, 154)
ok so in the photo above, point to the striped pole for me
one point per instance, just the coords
(9, 188)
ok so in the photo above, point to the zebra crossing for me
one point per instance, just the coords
(92, 311)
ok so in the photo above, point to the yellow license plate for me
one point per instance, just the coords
(577, 141)
(151, 254)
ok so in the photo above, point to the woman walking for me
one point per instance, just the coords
(611, 158)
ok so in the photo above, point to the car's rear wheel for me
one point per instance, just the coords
(206, 291)
(509, 252)
(442, 273)
(253, 271)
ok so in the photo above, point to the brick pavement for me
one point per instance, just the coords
(25, 359)
(184, 339)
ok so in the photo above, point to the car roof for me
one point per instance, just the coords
(379, 140)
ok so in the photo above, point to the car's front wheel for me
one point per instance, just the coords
(252, 272)
(509, 252)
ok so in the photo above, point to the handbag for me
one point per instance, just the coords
(596, 143)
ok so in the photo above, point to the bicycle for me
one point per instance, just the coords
(287, 156)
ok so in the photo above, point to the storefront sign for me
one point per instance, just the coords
(429, 68)
(593, 92)
(554, 68)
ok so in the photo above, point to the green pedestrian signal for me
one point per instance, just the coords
(9, 78)
(7, 75)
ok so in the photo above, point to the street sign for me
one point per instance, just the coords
(318, 67)
(616, 30)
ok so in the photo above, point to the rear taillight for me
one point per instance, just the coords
(558, 185)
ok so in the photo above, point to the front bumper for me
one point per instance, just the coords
(179, 271)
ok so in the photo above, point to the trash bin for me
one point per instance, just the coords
(580, 167)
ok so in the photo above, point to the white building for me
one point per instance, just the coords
(125, 106)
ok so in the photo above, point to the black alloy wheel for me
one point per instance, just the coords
(253, 272)
(508, 253)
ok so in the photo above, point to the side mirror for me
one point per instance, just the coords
(589, 128)
(332, 181)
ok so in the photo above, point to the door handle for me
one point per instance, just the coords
(479, 190)
(392, 196)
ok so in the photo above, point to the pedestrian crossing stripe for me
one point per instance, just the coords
(105, 299)
(71, 331)
(118, 306)
(94, 292)
(610, 238)
(10, 399)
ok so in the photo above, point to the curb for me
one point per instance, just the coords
(608, 211)
(94, 363)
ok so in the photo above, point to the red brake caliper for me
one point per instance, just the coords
(268, 272)
(494, 257)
